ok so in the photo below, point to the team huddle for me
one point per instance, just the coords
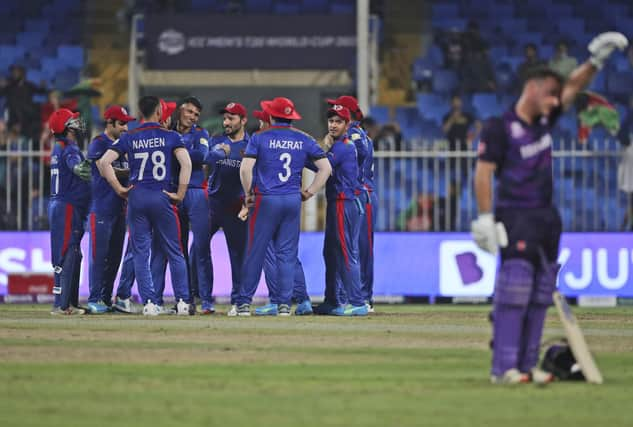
(168, 177)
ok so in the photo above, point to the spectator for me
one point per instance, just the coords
(458, 126)
(419, 215)
(19, 95)
(531, 60)
(472, 41)
(55, 103)
(561, 62)
(370, 126)
(477, 74)
(625, 168)
(389, 138)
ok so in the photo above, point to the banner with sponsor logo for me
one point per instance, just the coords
(413, 264)
(268, 42)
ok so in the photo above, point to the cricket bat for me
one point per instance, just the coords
(577, 340)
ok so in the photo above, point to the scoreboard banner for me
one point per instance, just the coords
(407, 264)
(267, 42)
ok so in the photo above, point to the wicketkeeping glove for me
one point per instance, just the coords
(603, 45)
(489, 235)
(83, 170)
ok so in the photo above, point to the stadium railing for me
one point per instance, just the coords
(427, 189)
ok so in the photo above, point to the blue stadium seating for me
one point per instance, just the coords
(380, 113)
(486, 105)
(444, 81)
(72, 56)
(342, 7)
(286, 7)
(315, 6)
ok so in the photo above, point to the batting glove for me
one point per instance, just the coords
(489, 235)
(603, 45)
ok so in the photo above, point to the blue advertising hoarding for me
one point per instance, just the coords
(412, 264)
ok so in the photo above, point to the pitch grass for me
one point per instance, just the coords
(406, 365)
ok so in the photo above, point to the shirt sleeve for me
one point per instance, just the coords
(360, 142)
(177, 141)
(314, 151)
(200, 148)
(97, 147)
(493, 142)
(120, 145)
(72, 156)
(252, 149)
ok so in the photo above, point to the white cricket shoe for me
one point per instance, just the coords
(233, 311)
(182, 308)
(511, 376)
(151, 309)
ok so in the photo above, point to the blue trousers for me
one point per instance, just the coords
(194, 214)
(340, 251)
(276, 219)
(126, 279)
(152, 216)
(299, 290)
(107, 233)
(366, 244)
(67, 228)
(224, 214)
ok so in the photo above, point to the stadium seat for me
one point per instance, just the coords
(444, 81)
(380, 113)
(286, 7)
(314, 6)
(72, 56)
(432, 106)
(619, 82)
(486, 105)
(66, 78)
(571, 27)
(423, 70)
(445, 11)
(342, 7)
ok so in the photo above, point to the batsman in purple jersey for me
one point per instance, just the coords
(152, 153)
(67, 209)
(107, 214)
(271, 175)
(226, 196)
(517, 149)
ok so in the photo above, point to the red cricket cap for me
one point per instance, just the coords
(349, 102)
(341, 111)
(167, 109)
(280, 107)
(116, 112)
(234, 108)
(59, 119)
(262, 115)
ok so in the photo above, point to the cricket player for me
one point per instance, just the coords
(367, 196)
(517, 149)
(67, 209)
(107, 213)
(194, 209)
(342, 222)
(270, 174)
(299, 290)
(226, 197)
(123, 302)
(152, 152)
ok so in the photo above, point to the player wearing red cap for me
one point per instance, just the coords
(270, 174)
(299, 291)
(67, 209)
(225, 193)
(153, 153)
(368, 197)
(194, 209)
(342, 222)
(107, 213)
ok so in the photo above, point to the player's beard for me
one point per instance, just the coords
(230, 132)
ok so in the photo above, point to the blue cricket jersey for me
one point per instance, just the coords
(65, 185)
(358, 136)
(149, 150)
(281, 152)
(104, 198)
(224, 174)
(343, 184)
(197, 144)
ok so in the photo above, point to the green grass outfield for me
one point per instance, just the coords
(404, 366)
